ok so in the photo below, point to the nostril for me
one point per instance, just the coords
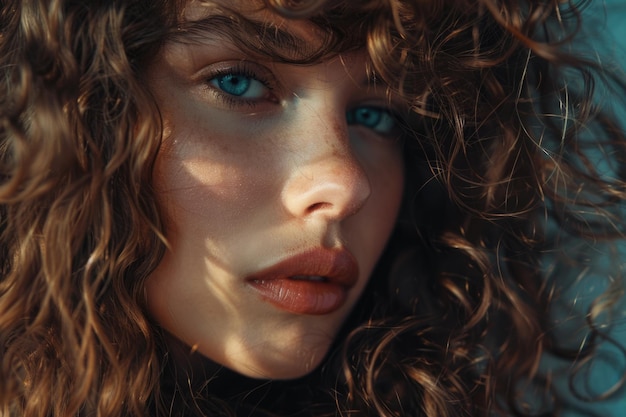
(318, 206)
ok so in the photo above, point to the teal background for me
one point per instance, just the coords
(604, 38)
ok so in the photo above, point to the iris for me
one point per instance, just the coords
(375, 118)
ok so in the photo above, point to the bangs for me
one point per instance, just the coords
(338, 30)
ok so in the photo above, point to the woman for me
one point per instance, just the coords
(308, 208)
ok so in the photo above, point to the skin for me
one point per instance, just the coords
(246, 183)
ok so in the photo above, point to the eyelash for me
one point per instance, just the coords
(243, 70)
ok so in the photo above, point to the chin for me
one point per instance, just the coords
(294, 364)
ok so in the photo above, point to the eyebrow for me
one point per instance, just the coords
(264, 38)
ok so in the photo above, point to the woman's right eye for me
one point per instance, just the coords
(241, 83)
(240, 86)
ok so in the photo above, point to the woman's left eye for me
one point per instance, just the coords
(240, 86)
(378, 119)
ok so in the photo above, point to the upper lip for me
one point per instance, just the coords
(338, 266)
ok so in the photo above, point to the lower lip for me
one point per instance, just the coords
(302, 297)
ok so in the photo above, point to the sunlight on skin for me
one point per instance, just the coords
(248, 181)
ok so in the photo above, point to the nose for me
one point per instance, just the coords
(326, 179)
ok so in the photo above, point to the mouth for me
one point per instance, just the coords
(311, 278)
(315, 282)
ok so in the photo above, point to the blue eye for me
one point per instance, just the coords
(378, 119)
(239, 85)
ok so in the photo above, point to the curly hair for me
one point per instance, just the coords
(458, 313)
(79, 228)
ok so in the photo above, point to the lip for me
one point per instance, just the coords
(277, 285)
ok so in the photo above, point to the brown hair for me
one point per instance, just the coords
(456, 318)
(79, 228)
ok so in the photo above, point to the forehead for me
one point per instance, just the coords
(249, 20)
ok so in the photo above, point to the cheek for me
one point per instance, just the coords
(382, 160)
(208, 189)
(370, 229)
(386, 174)
(193, 186)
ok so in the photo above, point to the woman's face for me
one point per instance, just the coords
(279, 184)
